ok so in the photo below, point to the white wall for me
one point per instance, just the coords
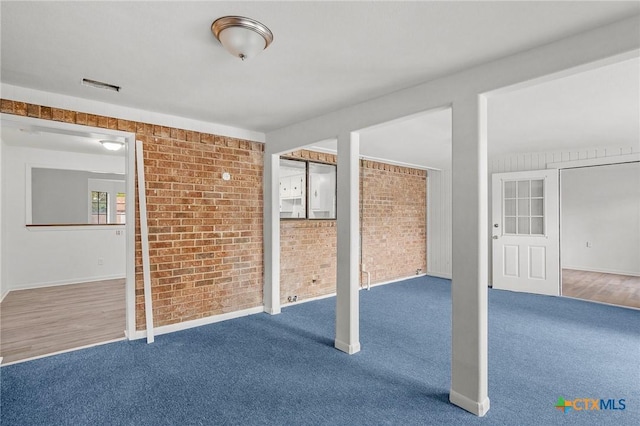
(439, 225)
(601, 206)
(40, 256)
(62, 196)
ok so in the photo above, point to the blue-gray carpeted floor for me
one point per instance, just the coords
(283, 370)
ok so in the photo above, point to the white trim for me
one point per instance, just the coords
(144, 237)
(479, 408)
(311, 299)
(437, 275)
(603, 271)
(84, 130)
(397, 280)
(601, 161)
(31, 286)
(347, 348)
(55, 100)
(54, 228)
(63, 351)
(172, 328)
(3, 296)
(328, 295)
(130, 223)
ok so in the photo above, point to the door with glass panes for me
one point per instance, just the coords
(525, 231)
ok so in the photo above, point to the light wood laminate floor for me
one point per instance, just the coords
(623, 290)
(46, 320)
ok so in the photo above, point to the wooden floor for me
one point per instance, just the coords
(614, 289)
(47, 320)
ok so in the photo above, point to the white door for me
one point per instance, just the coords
(525, 231)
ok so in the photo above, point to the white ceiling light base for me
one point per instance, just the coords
(112, 145)
(242, 37)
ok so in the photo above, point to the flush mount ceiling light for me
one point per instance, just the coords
(242, 37)
(112, 145)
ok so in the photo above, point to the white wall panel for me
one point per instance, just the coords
(540, 160)
(439, 226)
(601, 218)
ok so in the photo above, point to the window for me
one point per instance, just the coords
(120, 207)
(99, 207)
(524, 207)
(307, 190)
(322, 196)
(293, 185)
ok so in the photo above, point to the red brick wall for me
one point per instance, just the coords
(393, 220)
(307, 258)
(393, 225)
(205, 234)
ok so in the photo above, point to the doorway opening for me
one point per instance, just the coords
(67, 225)
(600, 233)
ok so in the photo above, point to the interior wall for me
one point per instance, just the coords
(601, 218)
(41, 256)
(393, 220)
(393, 232)
(62, 196)
(439, 227)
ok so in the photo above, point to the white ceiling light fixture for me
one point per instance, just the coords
(242, 37)
(112, 145)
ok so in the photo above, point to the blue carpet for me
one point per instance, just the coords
(282, 369)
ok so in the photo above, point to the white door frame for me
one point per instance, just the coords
(589, 162)
(534, 264)
(10, 120)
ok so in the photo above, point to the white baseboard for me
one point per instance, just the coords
(326, 296)
(397, 280)
(30, 286)
(4, 295)
(479, 408)
(311, 299)
(171, 328)
(602, 270)
(445, 275)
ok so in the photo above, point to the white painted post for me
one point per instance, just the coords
(271, 196)
(469, 380)
(348, 228)
(144, 230)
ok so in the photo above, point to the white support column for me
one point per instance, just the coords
(348, 230)
(271, 196)
(469, 383)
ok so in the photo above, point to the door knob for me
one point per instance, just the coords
(495, 237)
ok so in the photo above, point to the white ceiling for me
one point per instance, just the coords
(599, 108)
(44, 138)
(325, 55)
